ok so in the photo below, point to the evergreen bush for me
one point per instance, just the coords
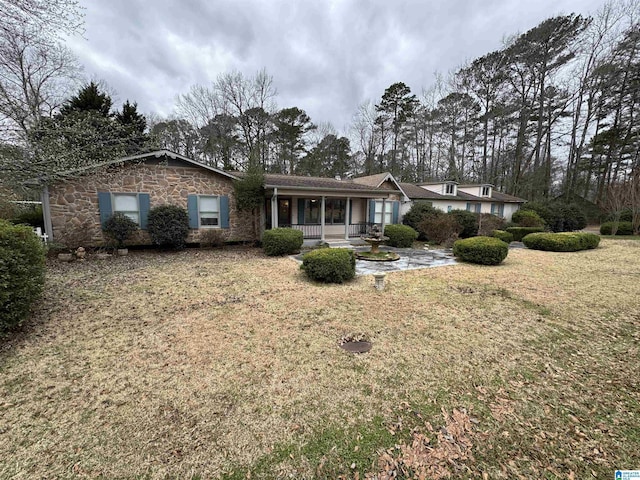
(519, 232)
(168, 226)
(419, 212)
(282, 241)
(120, 228)
(400, 236)
(330, 265)
(481, 250)
(442, 229)
(467, 220)
(624, 228)
(527, 218)
(561, 242)
(21, 272)
(504, 236)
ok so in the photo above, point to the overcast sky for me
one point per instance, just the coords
(326, 57)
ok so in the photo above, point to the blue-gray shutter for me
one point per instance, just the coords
(396, 212)
(468, 207)
(192, 208)
(144, 204)
(224, 211)
(104, 204)
(301, 211)
(372, 211)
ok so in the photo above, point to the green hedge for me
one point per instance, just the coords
(168, 226)
(400, 236)
(330, 265)
(504, 236)
(519, 232)
(624, 228)
(561, 242)
(282, 241)
(482, 250)
(21, 272)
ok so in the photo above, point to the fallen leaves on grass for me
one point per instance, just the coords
(423, 459)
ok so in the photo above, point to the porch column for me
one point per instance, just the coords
(322, 219)
(274, 209)
(46, 213)
(384, 211)
(346, 219)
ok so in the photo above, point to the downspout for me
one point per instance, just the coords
(46, 213)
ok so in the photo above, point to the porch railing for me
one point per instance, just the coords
(314, 231)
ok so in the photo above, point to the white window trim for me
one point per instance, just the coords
(447, 186)
(200, 212)
(122, 194)
(488, 194)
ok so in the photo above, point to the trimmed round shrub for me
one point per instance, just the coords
(419, 212)
(119, 227)
(519, 232)
(468, 221)
(400, 236)
(504, 236)
(481, 250)
(527, 218)
(330, 265)
(561, 242)
(559, 216)
(168, 226)
(21, 272)
(624, 228)
(282, 241)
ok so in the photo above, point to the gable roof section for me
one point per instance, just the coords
(378, 180)
(153, 154)
(416, 192)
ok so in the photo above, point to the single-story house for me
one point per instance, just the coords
(323, 208)
(449, 195)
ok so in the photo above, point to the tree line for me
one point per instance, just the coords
(554, 110)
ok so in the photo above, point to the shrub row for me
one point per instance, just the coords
(561, 242)
(624, 228)
(330, 265)
(400, 236)
(558, 216)
(482, 250)
(504, 236)
(21, 272)
(520, 232)
(282, 241)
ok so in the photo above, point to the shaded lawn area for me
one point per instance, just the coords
(204, 364)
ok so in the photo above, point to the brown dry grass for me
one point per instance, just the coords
(203, 363)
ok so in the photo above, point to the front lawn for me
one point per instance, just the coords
(205, 364)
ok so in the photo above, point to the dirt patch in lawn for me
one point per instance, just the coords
(225, 364)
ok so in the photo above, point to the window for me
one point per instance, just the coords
(312, 211)
(388, 213)
(209, 211)
(497, 209)
(449, 208)
(128, 204)
(334, 211)
(474, 207)
(486, 191)
(450, 189)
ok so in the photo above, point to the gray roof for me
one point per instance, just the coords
(416, 192)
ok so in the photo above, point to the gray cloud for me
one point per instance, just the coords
(326, 57)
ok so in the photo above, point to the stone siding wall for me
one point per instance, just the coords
(75, 213)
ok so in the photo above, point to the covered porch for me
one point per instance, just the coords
(329, 215)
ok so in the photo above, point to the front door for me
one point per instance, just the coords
(284, 212)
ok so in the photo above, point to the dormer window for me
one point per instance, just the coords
(450, 189)
(486, 190)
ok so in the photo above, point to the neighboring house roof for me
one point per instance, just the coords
(416, 192)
